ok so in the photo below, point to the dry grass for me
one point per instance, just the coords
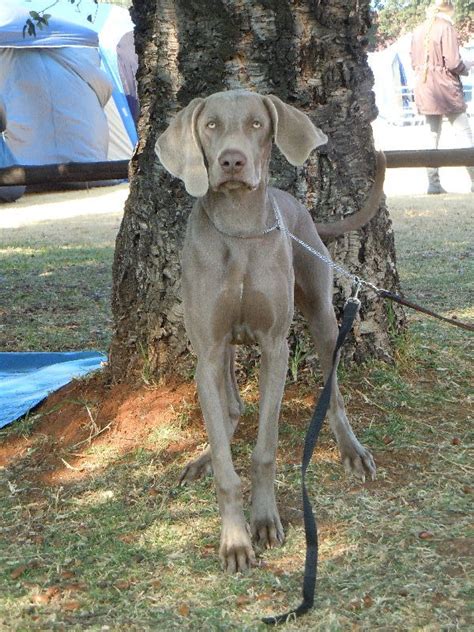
(56, 254)
(116, 545)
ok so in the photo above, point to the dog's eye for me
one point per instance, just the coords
(256, 125)
(211, 125)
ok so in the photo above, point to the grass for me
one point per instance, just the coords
(62, 300)
(435, 248)
(56, 271)
(122, 547)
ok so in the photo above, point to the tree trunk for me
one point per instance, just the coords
(312, 55)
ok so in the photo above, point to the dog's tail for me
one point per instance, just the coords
(359, 219)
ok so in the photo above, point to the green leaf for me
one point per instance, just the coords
(29, 28)
(35, 15)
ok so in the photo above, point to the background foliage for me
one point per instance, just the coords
(394, 18)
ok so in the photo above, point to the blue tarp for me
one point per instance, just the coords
(28, 378)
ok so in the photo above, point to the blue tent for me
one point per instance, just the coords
(63, 96)
(114, 28)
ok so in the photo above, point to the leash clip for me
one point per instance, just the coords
(356, 286)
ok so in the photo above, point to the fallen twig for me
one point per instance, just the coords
(91, 437)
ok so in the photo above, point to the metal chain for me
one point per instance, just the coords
(280, 225)
(357, 281)
(243, 236)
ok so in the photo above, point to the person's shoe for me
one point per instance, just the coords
(435, 189)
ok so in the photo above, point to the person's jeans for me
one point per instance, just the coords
(462, 129)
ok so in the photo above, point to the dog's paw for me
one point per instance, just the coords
(198, 468)
(236, 552)
(358, 461)
(267, 533)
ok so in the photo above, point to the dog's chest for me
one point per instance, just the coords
(254, 314)
(255, 298)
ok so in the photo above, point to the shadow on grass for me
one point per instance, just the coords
(125, 547)
(56, 298)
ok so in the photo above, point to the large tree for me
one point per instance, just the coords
(311, 53)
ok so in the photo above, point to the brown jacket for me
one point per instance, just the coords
(439, 90)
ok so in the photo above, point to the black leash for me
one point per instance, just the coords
(357, 280)
(311, 564)
(424, 310)
(350, 312)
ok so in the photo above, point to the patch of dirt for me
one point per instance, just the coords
(92, 412)
(120, 418)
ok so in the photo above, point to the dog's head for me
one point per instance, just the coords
(224, 142)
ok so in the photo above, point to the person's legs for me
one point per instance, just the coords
(434, 122)
(463, 131)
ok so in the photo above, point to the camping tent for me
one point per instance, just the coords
(56, 88)
(393, 82)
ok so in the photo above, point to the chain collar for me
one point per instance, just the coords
(275, 226)
(279, 224)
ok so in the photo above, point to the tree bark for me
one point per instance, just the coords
(312, 55)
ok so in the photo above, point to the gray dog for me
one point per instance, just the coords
(240, 279)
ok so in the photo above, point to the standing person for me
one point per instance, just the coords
(438, 90)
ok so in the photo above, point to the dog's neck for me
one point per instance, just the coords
(238, 212)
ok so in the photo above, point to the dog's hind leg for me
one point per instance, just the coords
(236, 405)
(202, 466)
(355, 457)
(313, 295)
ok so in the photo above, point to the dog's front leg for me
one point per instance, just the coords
(202, 466)
(235, 550)
(265, 520)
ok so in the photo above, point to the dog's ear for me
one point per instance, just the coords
(180, 153)
(295, 135)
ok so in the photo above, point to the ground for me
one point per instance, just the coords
(96, 534)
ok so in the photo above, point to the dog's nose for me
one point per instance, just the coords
(232, 161)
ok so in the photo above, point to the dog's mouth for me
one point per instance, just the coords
(234, 184)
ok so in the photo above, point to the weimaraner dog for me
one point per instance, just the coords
(240, 279)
